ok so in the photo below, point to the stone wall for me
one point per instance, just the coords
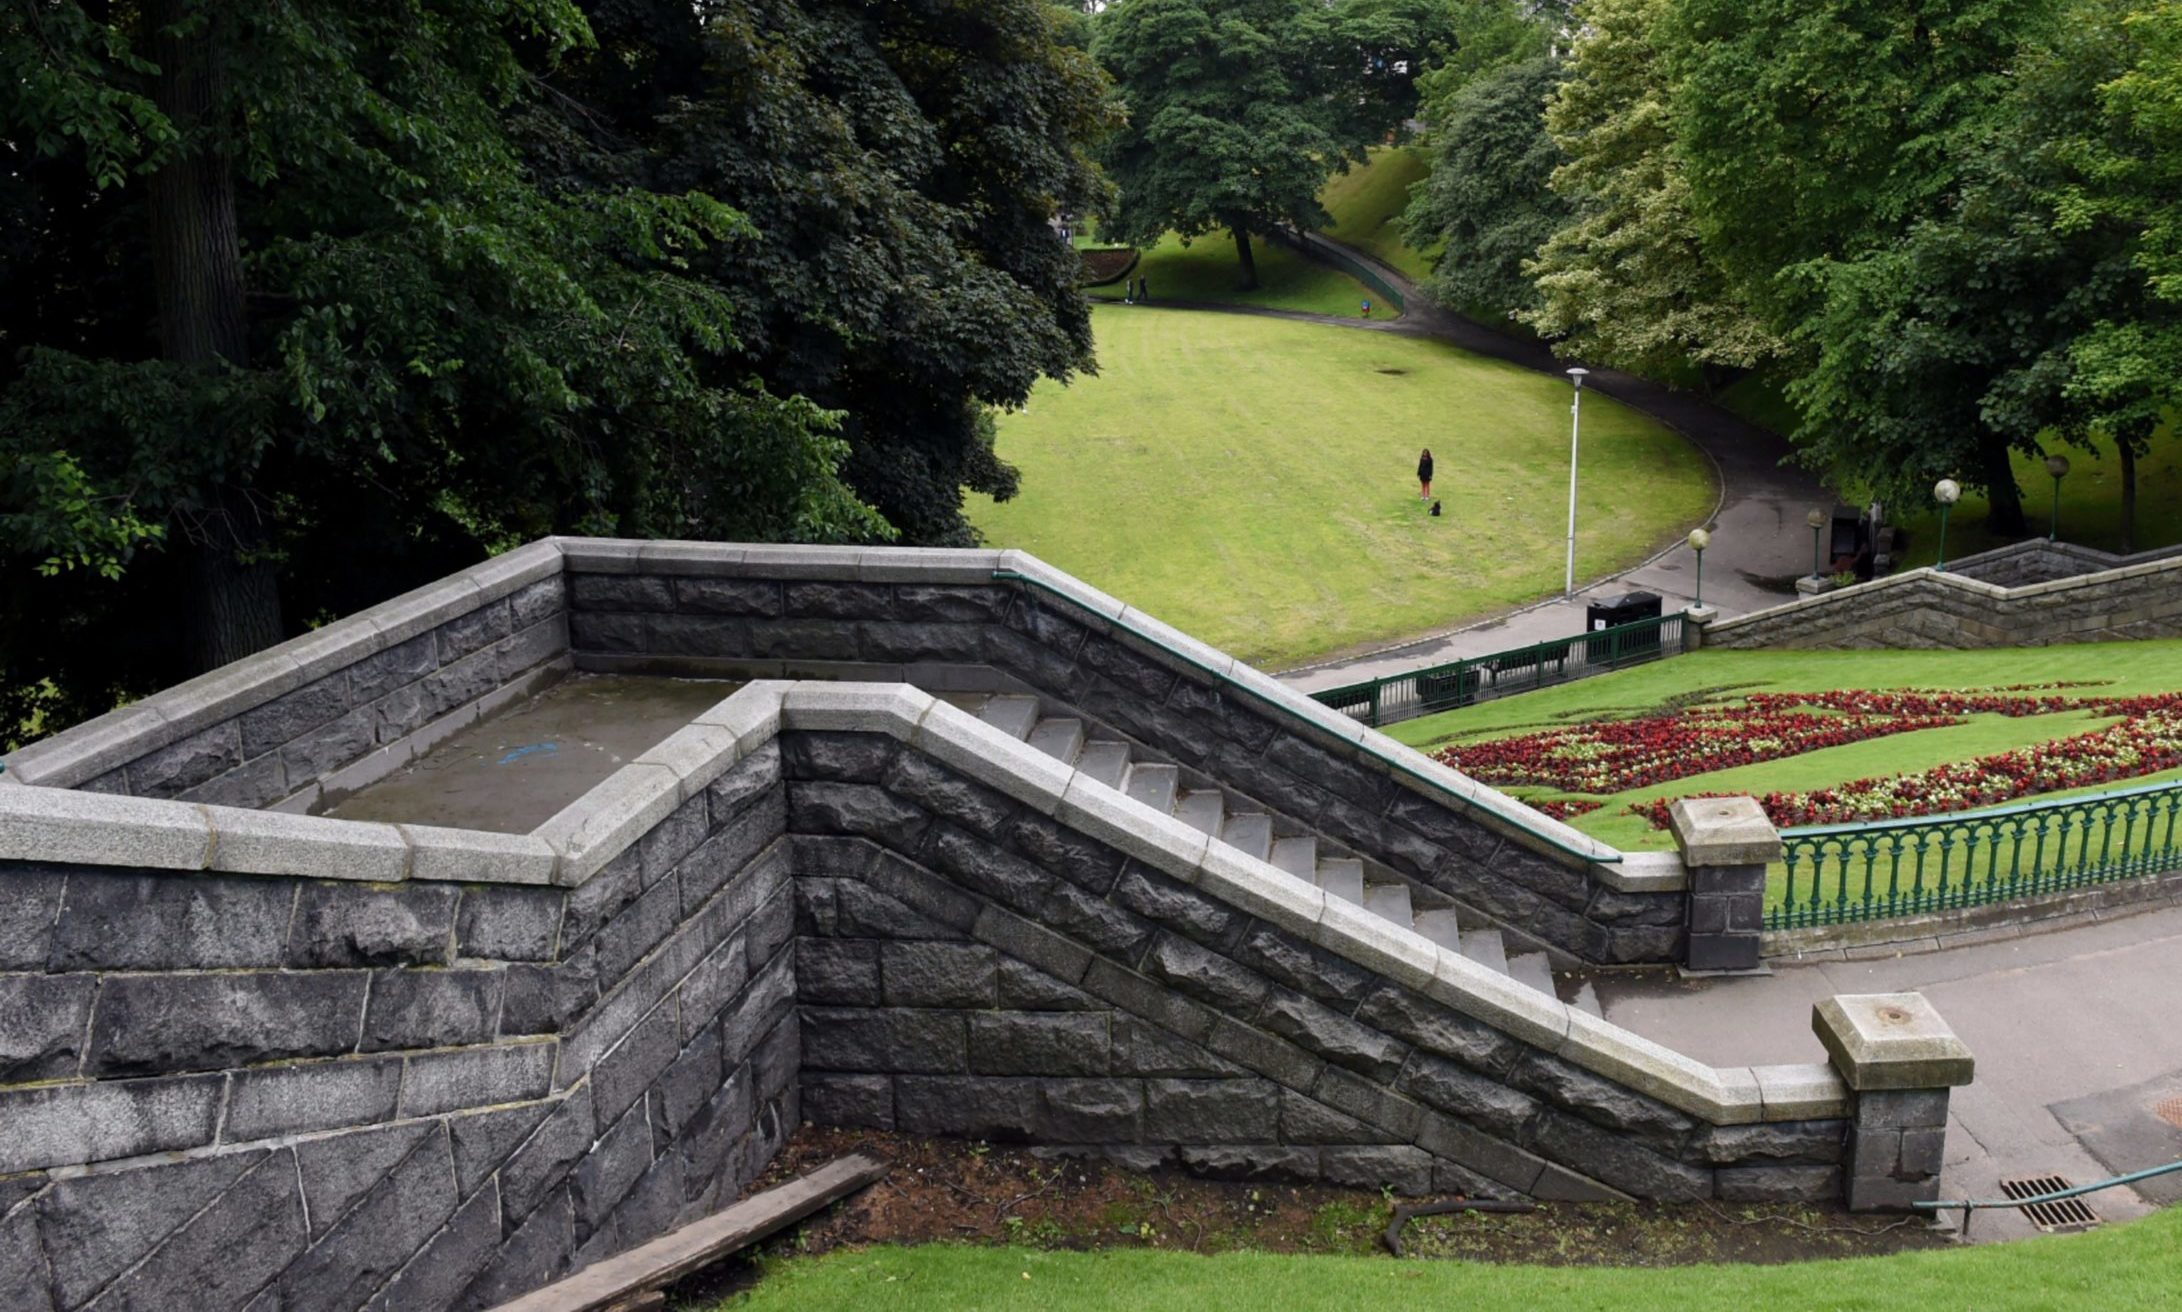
(969, 966)
(1927, 609)
(2040, 561)
(223, 1090)
(804, 614)
(383, 684)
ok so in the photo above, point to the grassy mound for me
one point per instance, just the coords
(1207, 271)
(1251, 480)
(1367, 203)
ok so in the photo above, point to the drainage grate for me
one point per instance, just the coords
(2169, 1111)
(2063, 1214)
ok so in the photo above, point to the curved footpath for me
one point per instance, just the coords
(1760, 541)
(2072, 1029)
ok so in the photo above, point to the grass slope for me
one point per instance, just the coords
(1208, 271)
(1250, 480)
(1367, 203)
(2126, 667)
(2118, 1270)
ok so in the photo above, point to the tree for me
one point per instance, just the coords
(1488, 196)
(1239, 110)
(1626, 280)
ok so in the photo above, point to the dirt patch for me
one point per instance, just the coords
(1107, 264)
(949, 1191)
(1394, 373)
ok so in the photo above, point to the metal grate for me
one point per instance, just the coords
(2169, 1111)
(2061, 1214)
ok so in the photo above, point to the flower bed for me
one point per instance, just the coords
(1620, 755)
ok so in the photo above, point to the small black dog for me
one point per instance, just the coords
(1435, 509)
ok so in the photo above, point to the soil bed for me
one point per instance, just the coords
(951, 1191)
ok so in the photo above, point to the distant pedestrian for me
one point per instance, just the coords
(1367, 307)
(1128, 291)
(1424, 475)
(1144, 290)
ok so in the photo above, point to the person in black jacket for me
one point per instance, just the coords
(1424, 475)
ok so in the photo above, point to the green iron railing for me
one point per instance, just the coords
(1503, 673)
(1454, 799)
(1839, 874)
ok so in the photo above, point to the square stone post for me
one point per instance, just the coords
(1726, 844)
(1899, 1059)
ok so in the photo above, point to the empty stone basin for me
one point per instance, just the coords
(514, 771)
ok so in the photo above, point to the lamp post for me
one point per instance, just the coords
(1575, 437)
(1817, 520)
(1699, 540)
(2058, 467)
(1947, 492)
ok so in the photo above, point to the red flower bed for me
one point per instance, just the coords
(1563, 808)
(1619, 755)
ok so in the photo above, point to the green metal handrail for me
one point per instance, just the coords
(1503, 673)
(1840, 874)
(1229, 681)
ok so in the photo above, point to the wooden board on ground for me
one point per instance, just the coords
(619, 1281)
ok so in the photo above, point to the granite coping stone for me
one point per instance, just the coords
(1811, 1091)
(61, 824)
(1886, 1041)
(1723, 831)
(309, 847)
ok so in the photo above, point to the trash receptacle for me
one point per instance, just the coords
(1610, 649)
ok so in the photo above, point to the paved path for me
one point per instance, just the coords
(2074, 1033)
(1760, 541)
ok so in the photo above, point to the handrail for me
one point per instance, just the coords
(1969, 1205)
(1982, 813)
(1227, 680)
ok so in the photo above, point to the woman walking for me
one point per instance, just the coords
(1424, 475)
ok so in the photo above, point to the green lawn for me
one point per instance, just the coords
(1250, 480)
(1367, 203)
(2123, 668)
(2116, 1270)
(2090, 504)
(1207, 270)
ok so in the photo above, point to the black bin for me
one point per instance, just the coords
(1614, 612)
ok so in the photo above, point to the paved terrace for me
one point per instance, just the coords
(2074, 1033)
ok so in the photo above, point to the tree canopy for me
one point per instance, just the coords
(301, 304)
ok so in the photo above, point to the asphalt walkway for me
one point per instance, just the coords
(1760, 541)
(2079, 1057)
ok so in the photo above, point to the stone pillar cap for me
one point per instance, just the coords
(1723, 831)
(1881, 1041)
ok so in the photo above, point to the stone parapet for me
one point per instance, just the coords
(1899, 1059)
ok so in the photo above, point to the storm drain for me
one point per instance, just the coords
(2060, 1214)
(2169, 1111)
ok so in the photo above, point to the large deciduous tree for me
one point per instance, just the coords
(1626, 280)
(1239, 110)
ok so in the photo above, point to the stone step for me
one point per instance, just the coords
(1152, 784)
(1251, 832)
(1297, 856)
(1202, 810)
(1342, 877)
(1440, 926)
(1103, 762)
(1011, 715)
(1587, 999)
(1390, 901)
(1534, 969)
(1486, 948)
(1060, 737)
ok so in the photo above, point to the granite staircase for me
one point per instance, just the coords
(1247, 826)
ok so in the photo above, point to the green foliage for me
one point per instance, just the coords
(1240, 109)
(1488, 197)
(1627, 280)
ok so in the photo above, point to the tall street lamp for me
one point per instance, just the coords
(1699, 540)
(1817, 520)
(1575, 437)
(2058, 467)
(1947, 492)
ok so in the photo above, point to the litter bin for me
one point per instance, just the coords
(1611, 649)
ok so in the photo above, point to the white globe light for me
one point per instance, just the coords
(1947, 492)
(1699, 539)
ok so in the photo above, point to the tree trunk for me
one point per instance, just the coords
(1249, 261)
(2005, 498)
(2128, 496)
(234, 597)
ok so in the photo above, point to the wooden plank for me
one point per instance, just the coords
(700, 1243)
